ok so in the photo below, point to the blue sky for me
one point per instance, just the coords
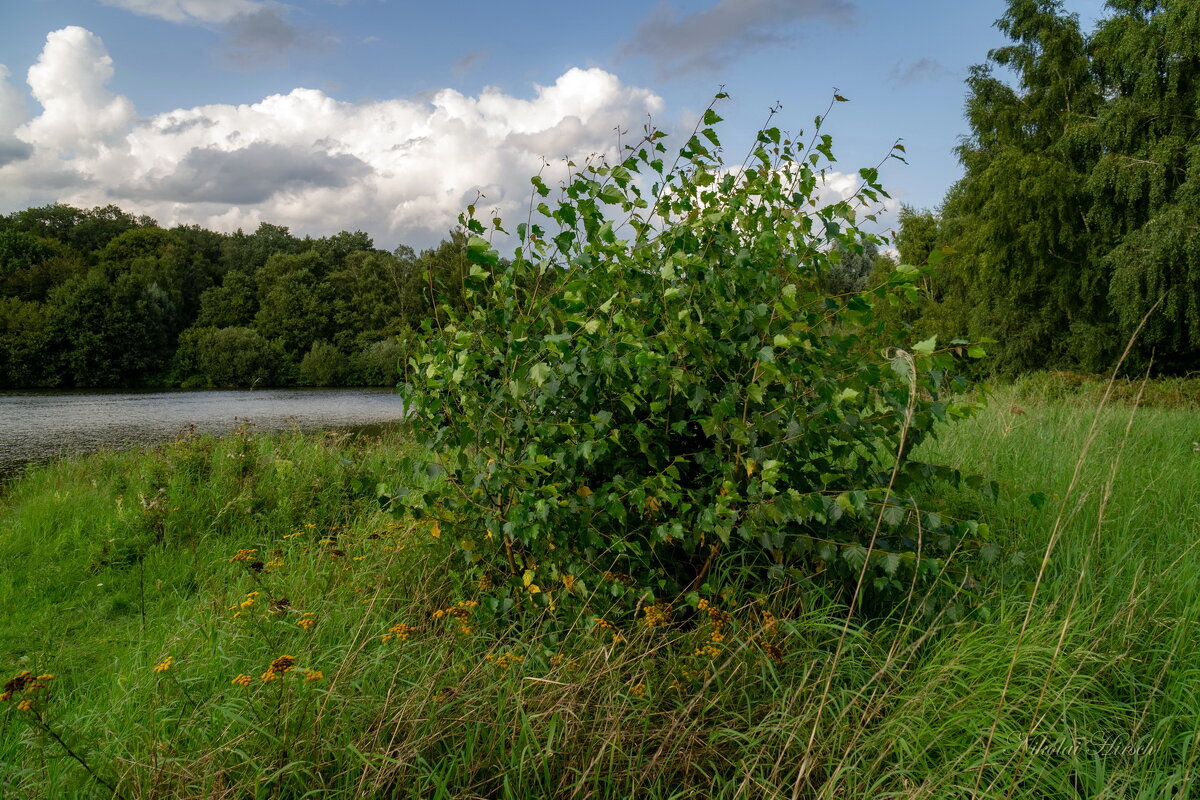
(388, 116)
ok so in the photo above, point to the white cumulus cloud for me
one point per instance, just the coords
(401, 169)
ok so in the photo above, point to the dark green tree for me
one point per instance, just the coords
(1016, 219)
(1146, 183)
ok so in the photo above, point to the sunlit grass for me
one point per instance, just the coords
(239, 618)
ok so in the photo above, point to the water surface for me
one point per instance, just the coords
(36, 427)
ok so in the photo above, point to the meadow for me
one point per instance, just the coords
(242, 618)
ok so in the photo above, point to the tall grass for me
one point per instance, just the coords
(1085, 686)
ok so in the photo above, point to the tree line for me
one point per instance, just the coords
(1077, 216)
(103, 298)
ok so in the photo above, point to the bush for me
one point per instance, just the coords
(378, 363)
(686, 399)
(226, 357)
(324, 365)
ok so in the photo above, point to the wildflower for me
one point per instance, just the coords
(307, 622)
(242, 680)
(773, 651)
(280, 666)
(25, 705)
(244, 555)
(505, 660)
(5, 697)
(656, 615)
(278, 605)
(165, 664)
(399, 632)
(274, 563)
(604, 624)
(460, 612)
(638, 690)
(18, 683)
(311, 675)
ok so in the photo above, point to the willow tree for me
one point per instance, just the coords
(1077, 213)
(1146, 184)
(1016, 219)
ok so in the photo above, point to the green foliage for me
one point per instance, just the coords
(380, 363)
(61, 326)
(324, 365)
(1075, 216)
(110, 332)
(658, 384)
(227, 358)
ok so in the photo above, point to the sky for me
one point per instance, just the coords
(390, 116)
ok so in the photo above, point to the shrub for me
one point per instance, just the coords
(685, 396)
(324, 365)
(226, 357)
(378, 363)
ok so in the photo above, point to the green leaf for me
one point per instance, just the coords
(711, 117)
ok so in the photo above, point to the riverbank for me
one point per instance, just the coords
(238, 617)
(36, 427)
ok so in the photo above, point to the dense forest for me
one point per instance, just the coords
(103, 298)
(1077, 214)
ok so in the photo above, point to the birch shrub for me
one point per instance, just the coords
(656, 388)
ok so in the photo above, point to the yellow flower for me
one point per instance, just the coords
(307, 622)
(401, 632)
(242, 680)
(25, 705)
(638, 690)
(313, 675)
(165, 664)
(656, 615)
(504, 661)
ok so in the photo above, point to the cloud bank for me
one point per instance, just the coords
(400, 169)
(680, 42)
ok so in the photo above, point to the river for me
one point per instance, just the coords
(36, 427)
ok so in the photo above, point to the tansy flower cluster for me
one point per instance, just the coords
(165, 664)
(770, 632)
(400, 633)
(657, 615)
(505, 660)
(605, 625)
(307, 621)
(251, 599)
(279, 667)
(461, 612)
(24, 682)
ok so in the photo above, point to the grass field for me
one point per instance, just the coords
(237, 618)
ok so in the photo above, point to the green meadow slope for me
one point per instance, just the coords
(238, 618)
